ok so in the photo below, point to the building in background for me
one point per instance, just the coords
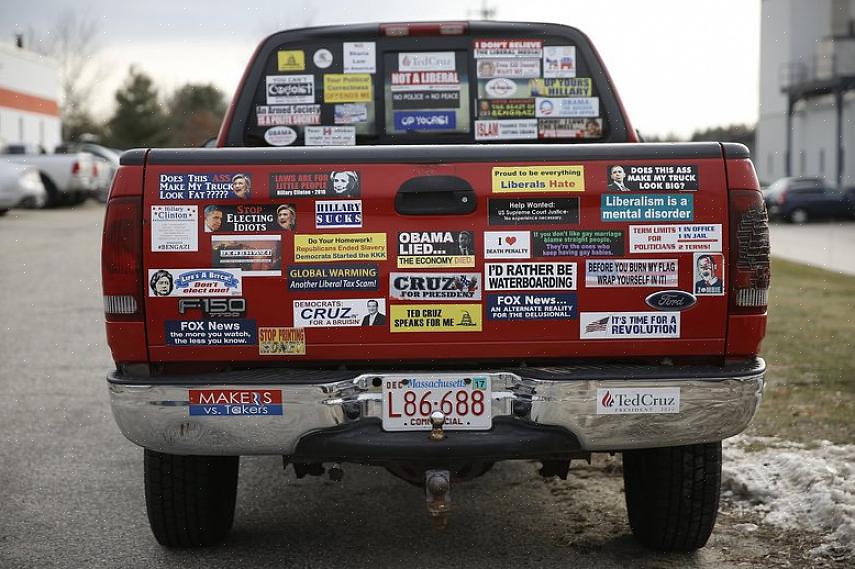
(29, 98)
(807, 90)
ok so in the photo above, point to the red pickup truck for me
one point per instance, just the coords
(432, 247)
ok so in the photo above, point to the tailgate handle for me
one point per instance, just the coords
(435, 195)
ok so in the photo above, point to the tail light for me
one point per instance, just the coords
(94, 170)
(424, 29)
(121, 259)
(749, 262)
(75, 168)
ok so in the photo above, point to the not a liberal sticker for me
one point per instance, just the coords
(638, 401)
(531, 306)
(238, 332)
(656, 178)
(338, 214)
(334, 276)
(204, 186)
(194, 282)
(235, 402)
(651, 208)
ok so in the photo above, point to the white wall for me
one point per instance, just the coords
(25, 72)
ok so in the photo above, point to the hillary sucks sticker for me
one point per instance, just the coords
(235, 402)
(628, 325)
(331, 214)
(194, 282)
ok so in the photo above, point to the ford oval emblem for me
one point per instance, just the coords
(671, 300)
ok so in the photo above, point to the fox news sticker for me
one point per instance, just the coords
(280, 136)
(709, 274)
(532, 306)
(237, 332)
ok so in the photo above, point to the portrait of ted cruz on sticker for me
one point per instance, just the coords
(220, 186)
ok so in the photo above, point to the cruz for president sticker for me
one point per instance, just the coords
(522, 179)
(435, 286)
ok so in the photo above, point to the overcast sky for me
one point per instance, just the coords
(679, 65)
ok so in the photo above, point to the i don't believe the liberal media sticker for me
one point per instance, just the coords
(235, 402)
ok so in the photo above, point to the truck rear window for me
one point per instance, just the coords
(476, 88)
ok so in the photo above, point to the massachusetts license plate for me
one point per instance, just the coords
(409, 400)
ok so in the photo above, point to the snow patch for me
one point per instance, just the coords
(795, 487)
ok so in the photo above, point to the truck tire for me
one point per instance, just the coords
(54, 198)
(799, 216)
(672, 495)
(190, 499)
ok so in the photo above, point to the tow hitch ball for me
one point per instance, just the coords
(438, 496)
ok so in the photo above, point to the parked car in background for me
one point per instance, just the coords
(799, 200)
(20, 186)
(69, 179)
(106, 163)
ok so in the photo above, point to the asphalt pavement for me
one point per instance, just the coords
(71, 490)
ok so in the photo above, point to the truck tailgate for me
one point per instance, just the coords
(424, 253)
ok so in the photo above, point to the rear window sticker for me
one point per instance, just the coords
(284, 115)
(351, 113)
(334, 276)
(424, 81)
(337, 183)
(577, 243)
(425, 120)
(628, 325)
(573, 87)
(174, 228)
(570, 128)
(505, 108)
(512, 68)
(322, 58)
(236, 332)
(500, 88)
(546, 107)
(447, 98)
(204, 186)
(426, 61)
(675, 238)
(280, 136)
(507, 245)
(276, 341)
(290, 89)
(709, 274)
(652, 177)
(532, 306)
(338, 214)
(530, 276)
(340, 313)
(537, 211)
(436, 249)
(330, 135)
(525, 129)
(652, 207)
(249, 218)
(235, 402)
(340, 247)
(507, 48)
(436, 318)
(360, 57)
(348, 88)
(616, 273)
(293, 60)
(525, 179)
(435, 286)
(255, 255)
(194, 282)
(559, 61)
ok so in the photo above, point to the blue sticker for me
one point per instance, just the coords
(647, 208)
(338, 276)
(529, 306)
(222, 186)
(237, 332)
(425, 120)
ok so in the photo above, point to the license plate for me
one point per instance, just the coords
(409, 400)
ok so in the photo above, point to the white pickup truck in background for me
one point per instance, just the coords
(68, 178)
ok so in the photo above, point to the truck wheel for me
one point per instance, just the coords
(53, 196)
(190, 499)
(799, 216)
(672, 495)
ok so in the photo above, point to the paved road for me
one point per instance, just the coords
(71, 486)
(828, 245)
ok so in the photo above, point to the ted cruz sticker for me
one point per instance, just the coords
(338, 183)
(235, 402)
(507, 245)
(210, 332)
(709, 274)
(628, 325)
(436, 318)
(558, 211)
(653, 178)
(204, 186)
(344, 247)
(523, 179)
(173, 228)
(531, 276)
(675, 238)
(340, 313)
(256, 255)
(531, 306)
(658, 207)
(573, 243)
(617, 273)
(436, 248)
(435, 286)
(351, 276)
(638, 401)
(281, 342)
(290, 89)
(338, 213)
(194, 282)
(426, 61)
(250, 218)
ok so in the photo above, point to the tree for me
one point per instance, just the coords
(741, 133)
(195, 113)
(138, 119)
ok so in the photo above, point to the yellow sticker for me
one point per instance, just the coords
(347, 88)
(532, 179)
(345, 247)
(410, 262)
(282, 341)
(291, 60)
(436, 318)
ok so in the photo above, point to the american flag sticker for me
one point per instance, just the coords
(628, 325)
